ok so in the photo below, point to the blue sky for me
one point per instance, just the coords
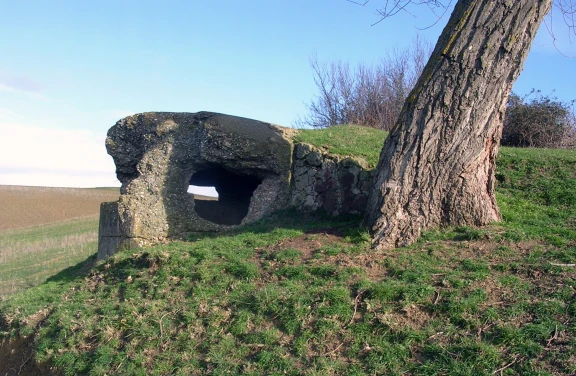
(70, 69)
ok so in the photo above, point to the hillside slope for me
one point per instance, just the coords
(305, 295)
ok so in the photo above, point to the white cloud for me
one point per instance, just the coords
(31, 155)
(8, 115)
(19, 84)
(4, 87)
(57, 179)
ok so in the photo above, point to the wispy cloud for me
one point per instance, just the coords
(31, 155)
(8, 115)
(21, 85)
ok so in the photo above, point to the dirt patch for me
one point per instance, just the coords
(412, 316)
(308, 244)
(17, 358)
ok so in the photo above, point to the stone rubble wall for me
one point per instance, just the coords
(337, 185)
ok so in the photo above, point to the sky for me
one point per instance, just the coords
(70, 69)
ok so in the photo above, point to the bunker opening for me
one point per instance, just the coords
(234, 193)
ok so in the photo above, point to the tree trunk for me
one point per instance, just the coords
(437, 166)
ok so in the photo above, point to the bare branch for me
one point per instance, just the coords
(438, 17)
(391, 8)
(365, 95)
(567, 9)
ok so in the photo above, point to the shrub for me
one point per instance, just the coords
(539, 122)
(370, 96)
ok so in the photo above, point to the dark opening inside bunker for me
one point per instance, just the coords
(234, 194)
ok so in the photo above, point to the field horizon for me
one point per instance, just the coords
(26, 206)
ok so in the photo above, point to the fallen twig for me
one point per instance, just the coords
(437, 298)
(499, 370)
(433, 336)
(120, 365)
(356, 299)
(554, 337)
(161, 318)
(566, 265)
(22, 365)
(483, 329)
(330, 352)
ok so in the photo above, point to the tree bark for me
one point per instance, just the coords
(437, 166)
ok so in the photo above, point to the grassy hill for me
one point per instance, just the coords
(305, 295)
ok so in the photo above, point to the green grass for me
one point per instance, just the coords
(537, 194)
(303, 294)
(29, 256)
(251, 302)
(347, 140)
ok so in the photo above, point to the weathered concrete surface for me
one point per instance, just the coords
(110, 238)
(157, 153)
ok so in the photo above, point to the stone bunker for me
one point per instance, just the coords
(255, 167)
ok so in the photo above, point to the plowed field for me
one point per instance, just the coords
(22, 206)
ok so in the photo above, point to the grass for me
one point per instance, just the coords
(365, 144)
(29, 256)
(303, 294)
(537, 193)
(45, 230)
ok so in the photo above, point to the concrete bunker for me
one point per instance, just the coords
(255, 168)
(158, 155)
(235, 192)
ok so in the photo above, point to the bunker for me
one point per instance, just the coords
(255, 167)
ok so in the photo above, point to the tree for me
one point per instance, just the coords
(437, 165)
(542, 122)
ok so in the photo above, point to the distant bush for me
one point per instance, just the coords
(370, 96)
(539, 122)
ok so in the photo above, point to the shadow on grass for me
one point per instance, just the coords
(291, 219)
(17, 351)
(287, 219)
(75, 272)
(17, 358)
